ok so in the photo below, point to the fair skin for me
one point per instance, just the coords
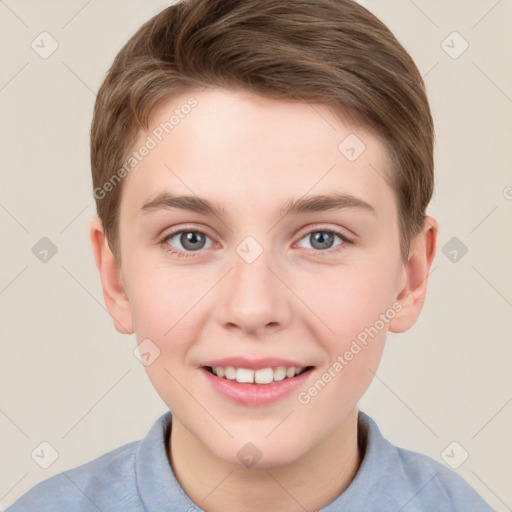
(298, 300)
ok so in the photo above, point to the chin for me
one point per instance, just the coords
(264, 454)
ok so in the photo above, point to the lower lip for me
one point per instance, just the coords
(255, 394)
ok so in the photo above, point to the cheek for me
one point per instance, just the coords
(164, 306)
(161, 300)
(347, 300)
(355, 310)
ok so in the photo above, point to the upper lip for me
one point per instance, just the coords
(255, 363)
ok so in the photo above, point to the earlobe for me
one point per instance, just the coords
(412, 296)
(114, 292)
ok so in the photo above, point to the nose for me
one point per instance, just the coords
(253, 298)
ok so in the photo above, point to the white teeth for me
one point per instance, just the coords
(244, 375)
(262, 376)
(229, 372)
(280, 373)
(290, 372)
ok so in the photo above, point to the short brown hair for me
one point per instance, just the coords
(333, 52)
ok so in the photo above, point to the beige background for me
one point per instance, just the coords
(68, 378)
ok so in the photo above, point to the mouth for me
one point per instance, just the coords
(256, 381)
(262, 376)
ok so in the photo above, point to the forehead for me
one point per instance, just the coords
(240, 149)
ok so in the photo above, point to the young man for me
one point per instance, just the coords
(261, 172)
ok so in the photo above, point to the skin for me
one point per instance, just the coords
(252, 155)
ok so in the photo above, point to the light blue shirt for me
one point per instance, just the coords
(137, 477)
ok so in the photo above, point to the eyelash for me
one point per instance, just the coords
(187, 254)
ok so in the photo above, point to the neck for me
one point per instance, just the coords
(308, 483)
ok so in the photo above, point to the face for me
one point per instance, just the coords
(251, 283)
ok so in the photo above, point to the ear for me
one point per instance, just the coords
(412, 296)
(114, 292)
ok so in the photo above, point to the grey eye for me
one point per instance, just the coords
(189, 240)
(321, 239)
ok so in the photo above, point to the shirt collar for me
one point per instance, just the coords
(160, 491)
(157, 486)
(376, 461)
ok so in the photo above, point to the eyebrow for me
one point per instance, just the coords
(310, 204)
